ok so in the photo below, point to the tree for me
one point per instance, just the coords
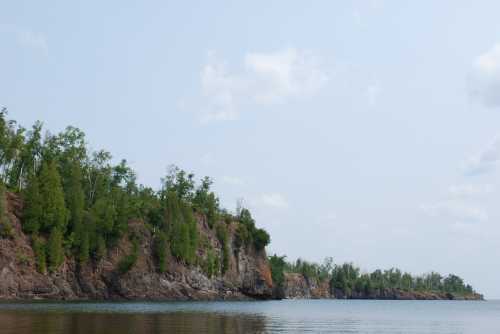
(33, 210)
(54, 212)
(104, 215)
(179, 182)
(278, 265)
(5, 226)
(178, 231)
(40, 254)
(261, 239)
(75, 200)
(55, 249)
(160, 250)
(222, 235)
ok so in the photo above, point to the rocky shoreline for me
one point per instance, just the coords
(297, 286)
(248, 276)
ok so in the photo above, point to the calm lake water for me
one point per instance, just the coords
(289, 316)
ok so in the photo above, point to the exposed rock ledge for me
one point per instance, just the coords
(296, 286)
(248, 276)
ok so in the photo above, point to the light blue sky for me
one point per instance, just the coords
(363, 130)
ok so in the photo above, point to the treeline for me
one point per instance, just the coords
(349, 280)
(78, 203)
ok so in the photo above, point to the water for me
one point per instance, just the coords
(289, 316)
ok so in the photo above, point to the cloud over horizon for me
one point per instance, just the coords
(264, 78)
(485, 77)
(486, 161)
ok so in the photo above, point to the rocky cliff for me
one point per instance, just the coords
(248, 274)
(297, 286)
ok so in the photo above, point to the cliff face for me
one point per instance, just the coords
(297, 286)
(248, 275)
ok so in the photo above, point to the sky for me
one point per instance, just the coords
(368, 131)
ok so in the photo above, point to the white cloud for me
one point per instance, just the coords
(457, 211)
(272, 200)
(485, 161)
(372, 93)
(485, 78)
(266, 78)
(233, 180)
(283, 74)
(27, 38)
(469, 190)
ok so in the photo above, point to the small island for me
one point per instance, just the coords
(75, 226)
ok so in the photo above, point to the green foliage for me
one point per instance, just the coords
(55, 250)
(179, 182)
(40, 255)
(78, 202)
(247, 233)
(222, 235)
(54, 212)
(181, 226)
(278, 265)
(206, 202)
(33, 206)
(22, 258)
(104, 215)
(261, 239)
(128, 261)
(75, 197)
(210, 265)
(6, 230)
(160, 250)
(75, 201)
(84, 247)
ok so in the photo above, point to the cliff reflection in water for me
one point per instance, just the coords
(110, 323)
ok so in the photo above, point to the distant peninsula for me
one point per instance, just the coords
(76, 226)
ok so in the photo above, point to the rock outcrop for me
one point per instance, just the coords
(248, 275)
(297, 286)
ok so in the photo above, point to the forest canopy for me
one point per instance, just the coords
(350, 280)
(77, 202)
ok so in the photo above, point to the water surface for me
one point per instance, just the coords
(289, 316)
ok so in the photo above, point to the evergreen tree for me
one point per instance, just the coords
(160, 250)
(84, 247)
(5, 226)
(55, 250)
(33, 210)
(75, 198)
(40, 254)
(104, 215)
(54, 212)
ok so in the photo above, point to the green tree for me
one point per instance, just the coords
(40, 254)
(261, 239)
(160, 250)
(33, 209)
(55, 249)
(278, 265)
(222, 235)
(54, 212)
(5, 225)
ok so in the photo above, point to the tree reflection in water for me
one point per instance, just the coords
(111, 323)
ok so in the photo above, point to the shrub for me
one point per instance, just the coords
(40, 257)
(55, 250)
(160, 250)
(222, 235)
(128, 261)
